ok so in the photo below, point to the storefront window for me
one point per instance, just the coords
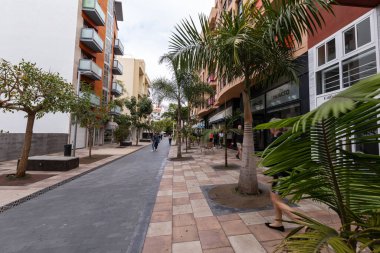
(328, 80)
(359, 67)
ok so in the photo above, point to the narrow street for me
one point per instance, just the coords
(105, 211)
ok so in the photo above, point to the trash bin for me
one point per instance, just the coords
(67, 150)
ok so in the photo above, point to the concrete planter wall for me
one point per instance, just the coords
(11, 144)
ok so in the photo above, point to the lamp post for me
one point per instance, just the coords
(76, 118)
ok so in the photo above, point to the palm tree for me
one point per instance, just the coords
(173, 90)
(327, 170)
(251, 47)
(194, 94)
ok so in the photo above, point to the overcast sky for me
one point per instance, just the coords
(148, 25)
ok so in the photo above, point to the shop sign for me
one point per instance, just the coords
(257, 104)
(221, 115)
(324, 98)
(285, 93)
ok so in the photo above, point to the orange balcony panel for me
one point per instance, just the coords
(359, 3)
(230, 91)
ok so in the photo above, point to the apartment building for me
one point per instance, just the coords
(135, 81)
(345, 51)
(282, 99)
(76, 38)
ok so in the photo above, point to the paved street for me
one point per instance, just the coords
(107, 210)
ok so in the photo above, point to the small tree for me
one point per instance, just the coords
(139, 110)
(89, 115)
(121, 133)
(25, 87)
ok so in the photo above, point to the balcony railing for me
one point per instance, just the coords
(89, 68)
(94, 100)
(116, 110)
(116, 90)
(91, 39)
(119, 48)
(94, 11)
(117, 68)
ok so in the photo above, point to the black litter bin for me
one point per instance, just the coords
(67, 150)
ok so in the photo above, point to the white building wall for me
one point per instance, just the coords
(44, 32)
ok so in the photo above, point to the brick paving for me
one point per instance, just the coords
(182, 221)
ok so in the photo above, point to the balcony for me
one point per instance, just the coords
(94, 100)
(212, 80)
(119, 48)
(359, 3)
(117, 68)
(93, 10)
(91, 39)
(116, 110)
(89, 68)
(117, 89)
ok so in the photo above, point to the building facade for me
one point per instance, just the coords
(78, 40)
(279, 100)
(345, 52)
(136, 83)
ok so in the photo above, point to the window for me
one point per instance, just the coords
(326, 52)
(357, 36)
(328, 80)
(359, 67)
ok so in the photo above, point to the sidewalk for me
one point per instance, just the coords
(182, 221)
(13, 195)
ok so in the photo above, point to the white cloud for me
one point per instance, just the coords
(148, 25)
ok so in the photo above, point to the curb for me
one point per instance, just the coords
(49, 188)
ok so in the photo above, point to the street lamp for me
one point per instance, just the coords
(76, 118)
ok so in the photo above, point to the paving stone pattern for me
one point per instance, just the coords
(182, 220)
(107, 210)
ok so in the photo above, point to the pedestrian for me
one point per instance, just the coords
(156, 141)
(211, 137)
(216, 139)
(170, 139)
(278, 204)
(221, 136)
(239, 142)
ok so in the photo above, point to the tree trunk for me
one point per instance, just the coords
(248, 183)
(179, 140)
(137, 136)
(21, 168)
(90, 141)
(225, 150)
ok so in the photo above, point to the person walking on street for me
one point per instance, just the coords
(221, 136)
(278, 204)
(170, 139)
(211, 137)
(156, 140)
(216, 139)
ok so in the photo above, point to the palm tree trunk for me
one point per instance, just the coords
(21, 167)
(248, 183)
(179, 152)
(225, 148)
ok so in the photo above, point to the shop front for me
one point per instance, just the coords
(285, 101)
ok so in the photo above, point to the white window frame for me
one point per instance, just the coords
(356, 37)
(325, 45)
(341, 56)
